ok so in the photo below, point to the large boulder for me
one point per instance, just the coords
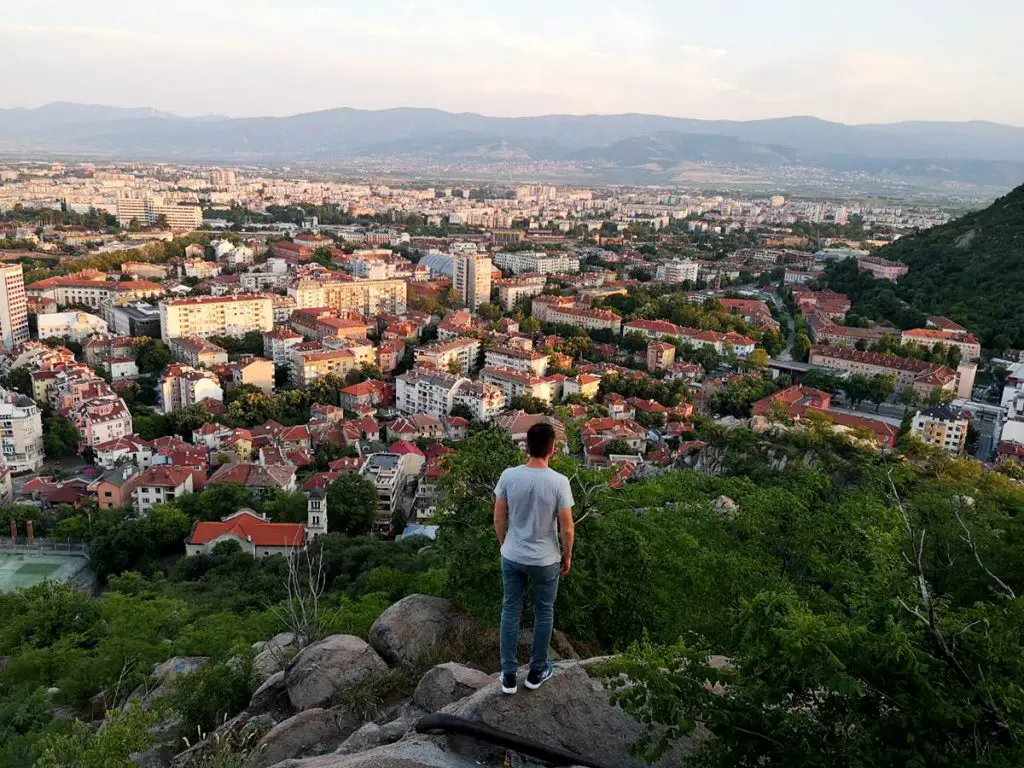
(166, 671)
(270, 656)
(310, 732)
(372, 735)
(324, 669)
(414, 752)
(413, 627)
(572, 710)
(272, 698)
(447, 683)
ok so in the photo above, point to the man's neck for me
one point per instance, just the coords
(535, 463)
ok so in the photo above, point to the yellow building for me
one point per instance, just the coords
(206, 316)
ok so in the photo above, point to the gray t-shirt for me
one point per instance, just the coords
(534, 497)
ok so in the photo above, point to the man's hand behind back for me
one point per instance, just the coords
(566, 564)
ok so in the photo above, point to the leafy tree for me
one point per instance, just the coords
(909, 397)
(151, 355)
(527, 403)
(352, 503)
(758, 359)
(286, 507)
(880, 388)
(18, 380)
(801, 347)
(618, 448)
(212, 693)
(489, 312)
(60, 438)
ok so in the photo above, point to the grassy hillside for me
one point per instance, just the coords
(971, 270)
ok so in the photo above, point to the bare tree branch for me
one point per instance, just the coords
(972, 544)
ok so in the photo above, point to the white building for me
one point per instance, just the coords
(459, 353)
(13, 307)
(536, 261)
(678, 271)
(182, 386)
(942, 426)
(388, 473)
(427, 391)
(147, 211)
(535, 363)
(21, 432)
(77, 326)
(472, 278)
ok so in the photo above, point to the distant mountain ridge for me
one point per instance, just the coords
(976, 152)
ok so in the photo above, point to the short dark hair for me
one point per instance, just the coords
(539, 439)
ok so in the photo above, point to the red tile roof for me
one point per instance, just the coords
(248, 527)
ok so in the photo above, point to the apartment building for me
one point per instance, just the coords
(678, 271)
(542, 262)
(319, 323)
(13, 306)
(101, 419)
(160, 485)
(518, 384)
(312, 361)
(201, 269)
(511, 290)
(278, 345)
(456, 356)
(182, 386)
(21, 432)
(535, 363)
(563, 309)
(921, 376)
(192, 350)
(388, 472)
(206, 316)
(484, 401)
(427, 391)
(92, 289)
(147, 211)
(367, 297)
(471, 277)
(585, 385)
(660, 356)
(77, 326)
(943, 426)
(882, 269)
(654, 329)
(970, 348)
(247, 370)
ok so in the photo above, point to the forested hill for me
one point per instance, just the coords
(971, 270)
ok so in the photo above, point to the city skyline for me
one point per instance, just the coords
(887, 64)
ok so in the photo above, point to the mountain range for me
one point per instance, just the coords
(650, 146)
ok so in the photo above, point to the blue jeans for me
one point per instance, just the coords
(544, 579)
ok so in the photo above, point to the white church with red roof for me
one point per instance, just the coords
(255, 534)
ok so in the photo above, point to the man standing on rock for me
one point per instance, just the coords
(532, 510)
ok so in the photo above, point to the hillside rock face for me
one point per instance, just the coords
(413, 627)
(312, 731)
(572, 711)
(322, 670)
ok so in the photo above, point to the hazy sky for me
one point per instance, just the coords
(864, 61)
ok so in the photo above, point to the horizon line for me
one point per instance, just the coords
(511, 117)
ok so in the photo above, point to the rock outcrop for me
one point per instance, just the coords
(310, 732)
(272, 698)
(447, 683)
(413, 627)
(573, 711)
(414, 752)
(322, 670)
(272, 655)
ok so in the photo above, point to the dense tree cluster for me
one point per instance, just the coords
(869, 607)
(969, 270)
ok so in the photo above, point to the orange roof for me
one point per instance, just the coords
(248, 527)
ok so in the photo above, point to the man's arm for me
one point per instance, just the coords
(501, 519)
(567, 532)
